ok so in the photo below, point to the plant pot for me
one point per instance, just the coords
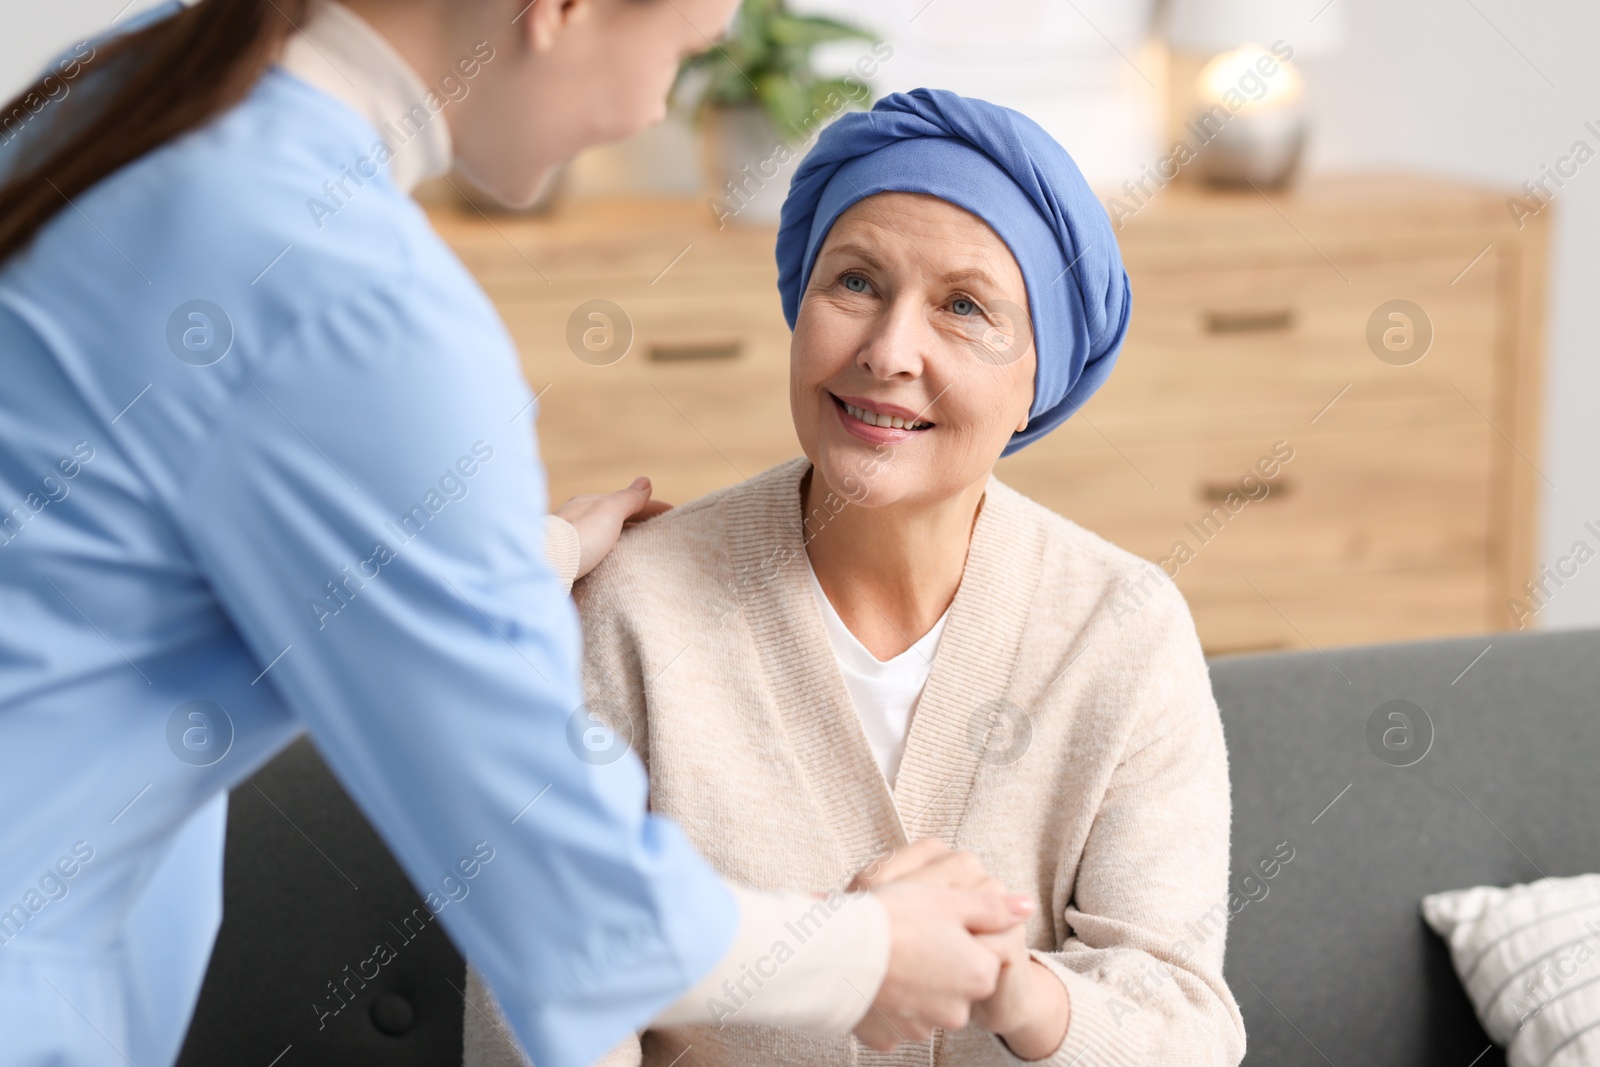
(748, 165)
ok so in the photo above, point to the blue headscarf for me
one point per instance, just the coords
(1001, 166)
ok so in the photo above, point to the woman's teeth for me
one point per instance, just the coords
(894, 422)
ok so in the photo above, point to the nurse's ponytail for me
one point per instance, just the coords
(127, 96)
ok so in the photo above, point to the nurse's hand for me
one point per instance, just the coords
(1029, 1009)
(600, 517)
(937, 968)
(928, 860)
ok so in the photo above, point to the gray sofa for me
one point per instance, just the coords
(1334, 964)
(1328, 956)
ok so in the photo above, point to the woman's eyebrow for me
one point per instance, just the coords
(953, 277)
(860, 251)
(969, 274)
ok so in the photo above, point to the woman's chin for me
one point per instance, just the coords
(860, 476)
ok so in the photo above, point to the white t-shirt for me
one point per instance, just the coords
(884, 692)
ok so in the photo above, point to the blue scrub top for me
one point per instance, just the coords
(264, 470)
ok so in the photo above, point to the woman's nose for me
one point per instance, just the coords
(894, 348)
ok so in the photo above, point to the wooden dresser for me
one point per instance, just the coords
(1259, 324)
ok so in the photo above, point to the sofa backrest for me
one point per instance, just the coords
(311, 900)
(1329, 958)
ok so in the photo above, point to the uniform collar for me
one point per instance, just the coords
(340, 53)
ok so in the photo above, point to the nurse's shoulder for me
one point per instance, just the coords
(293, 173)
(217, 274)
(275, 210)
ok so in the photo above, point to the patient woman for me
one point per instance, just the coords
(880, 642)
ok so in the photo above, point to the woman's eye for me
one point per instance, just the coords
(963, 306)
(855, 283)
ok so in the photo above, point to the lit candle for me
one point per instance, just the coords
(1250, 118)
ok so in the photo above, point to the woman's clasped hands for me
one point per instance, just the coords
(938, 977)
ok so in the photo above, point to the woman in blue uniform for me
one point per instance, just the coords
(267, 466)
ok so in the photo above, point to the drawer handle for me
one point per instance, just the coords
(1271, 321)
(1217, 492)
(694, 351)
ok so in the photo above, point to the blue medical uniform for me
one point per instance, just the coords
(267, 469)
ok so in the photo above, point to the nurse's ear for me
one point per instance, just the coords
(546, 19)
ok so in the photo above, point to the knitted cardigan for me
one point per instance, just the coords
(1069, 741)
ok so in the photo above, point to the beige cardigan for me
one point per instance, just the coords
(1076, 748)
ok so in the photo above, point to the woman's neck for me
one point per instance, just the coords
(890, 572)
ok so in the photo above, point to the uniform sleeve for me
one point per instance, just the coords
(1142, 959)
(369, 512)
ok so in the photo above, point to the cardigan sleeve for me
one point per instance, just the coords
(1142, 954)
(629, 1053)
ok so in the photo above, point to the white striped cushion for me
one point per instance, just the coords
(1529, 957)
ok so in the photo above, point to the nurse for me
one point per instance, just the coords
(267, 466)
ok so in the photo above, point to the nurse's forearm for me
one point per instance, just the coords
(798, 962)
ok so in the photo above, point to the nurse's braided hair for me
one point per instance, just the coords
(167, 78)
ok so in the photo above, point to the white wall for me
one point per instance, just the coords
(1085, 71)
(1489, 90)
(36, 31)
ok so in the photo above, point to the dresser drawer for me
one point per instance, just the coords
(699, 336)
(1339, 607)
(665, 418)
(1375, 500)
(1211, 352)
(699, 400)
(677, 478)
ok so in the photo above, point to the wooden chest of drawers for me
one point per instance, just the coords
(1406, 509)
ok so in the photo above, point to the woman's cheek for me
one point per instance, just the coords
(811, 354)
(805, 399)
(980, 428)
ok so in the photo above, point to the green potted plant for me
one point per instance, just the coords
(759, 99)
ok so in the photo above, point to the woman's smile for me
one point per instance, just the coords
(877, 422)
(884, 347)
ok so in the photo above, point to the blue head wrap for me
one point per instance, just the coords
(1001, 166)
